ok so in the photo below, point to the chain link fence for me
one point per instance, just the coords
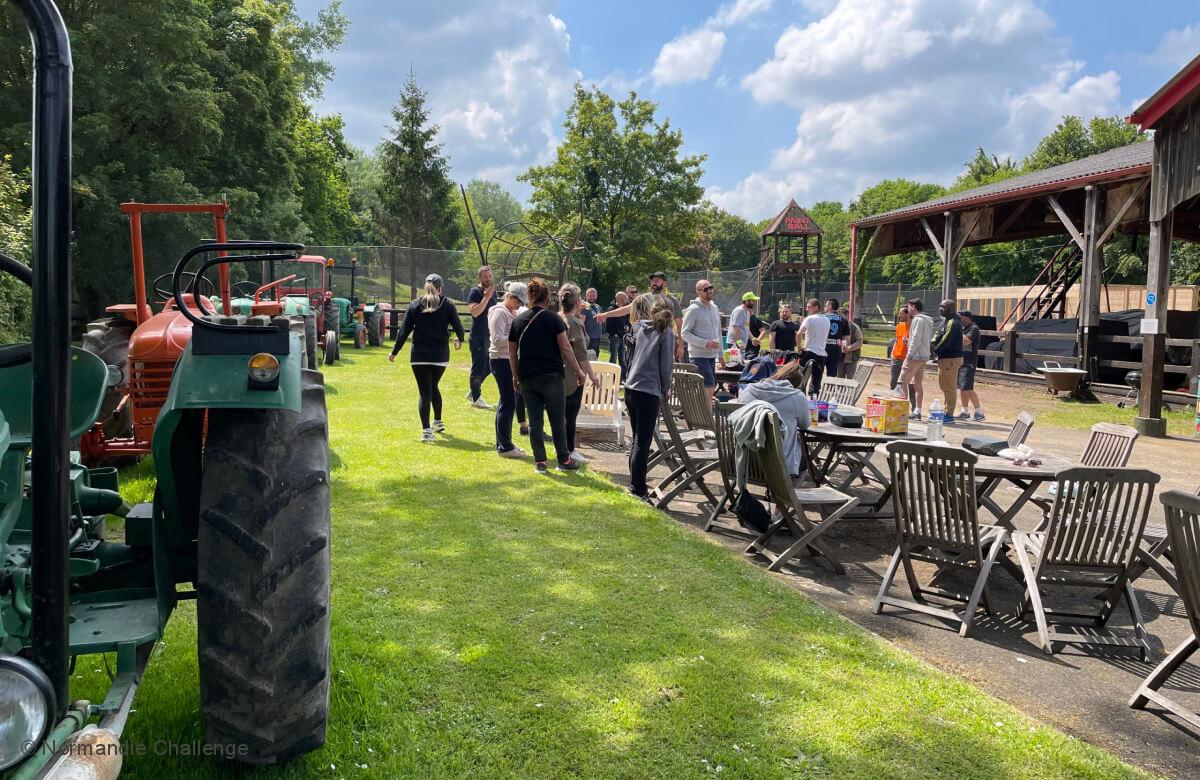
(729, 286)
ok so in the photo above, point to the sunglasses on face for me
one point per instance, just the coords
(706, 289)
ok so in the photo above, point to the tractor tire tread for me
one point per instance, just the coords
(264, 541)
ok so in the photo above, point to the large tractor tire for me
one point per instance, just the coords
(263, 579)
(331, 348)
(108, 339)
(310, 341)
(375, 329)
(360, 335)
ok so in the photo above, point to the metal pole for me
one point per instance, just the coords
(139, 268)
(853, 263)
(51, 339)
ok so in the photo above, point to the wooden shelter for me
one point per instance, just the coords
(1174, 114)
(1139, 189)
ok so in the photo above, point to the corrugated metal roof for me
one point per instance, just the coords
(1116, 162)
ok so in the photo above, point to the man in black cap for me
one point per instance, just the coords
(658, 286)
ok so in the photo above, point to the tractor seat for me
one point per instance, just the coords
(89, 383)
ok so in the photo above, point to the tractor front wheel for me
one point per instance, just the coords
(263, 579)
(310, 340)
(331, 346)
(360, 335)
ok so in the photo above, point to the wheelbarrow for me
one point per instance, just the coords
(1060, 379)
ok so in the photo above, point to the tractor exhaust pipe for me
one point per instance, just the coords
(51, 338)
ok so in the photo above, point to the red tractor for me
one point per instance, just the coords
(141, 346)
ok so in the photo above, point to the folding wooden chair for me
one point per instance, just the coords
(1020, 430)
(1183, 531)
(862, 376)
(692, 367)
(693, 462)
(1109, 446)
(728, 464)
(830, 506)
(693, 403)
(663, 449)
(842, 392)
(1094, 529)
(1156, 553)
(937, 522)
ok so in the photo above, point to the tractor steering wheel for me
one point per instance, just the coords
(207, 288)
(236, 288)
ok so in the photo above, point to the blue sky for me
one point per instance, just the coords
(812, 99)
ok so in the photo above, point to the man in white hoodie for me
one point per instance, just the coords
(920, 336)
(701, 331)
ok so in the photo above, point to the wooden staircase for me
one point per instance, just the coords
(1047, 295)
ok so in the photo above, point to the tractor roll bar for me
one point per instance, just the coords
(268, 251)
(51, 339)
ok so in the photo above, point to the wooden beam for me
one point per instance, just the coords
(1013, 217)
(1108, 231)
(937, 245)
(1065, 219)
(1154, 345)
(965, 234)
(951, 243)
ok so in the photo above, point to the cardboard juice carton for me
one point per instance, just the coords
(887, 415)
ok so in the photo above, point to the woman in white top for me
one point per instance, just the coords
(500, 319)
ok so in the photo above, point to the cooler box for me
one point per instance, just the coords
(887, 415)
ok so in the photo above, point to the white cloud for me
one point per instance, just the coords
(1178, 47)
(499, 77)
(690, 57)
(887, 88)
(739, 11)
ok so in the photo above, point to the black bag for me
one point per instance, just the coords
(628, 344)
(984, 445)
(750, 512)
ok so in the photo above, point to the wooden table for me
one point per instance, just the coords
(994, 470)
(826, 445)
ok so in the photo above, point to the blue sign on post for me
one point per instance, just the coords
(1150, 299)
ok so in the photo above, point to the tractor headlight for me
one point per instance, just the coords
(264, 371)
(26, 698)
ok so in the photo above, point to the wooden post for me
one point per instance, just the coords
(1195, 369)
(1010, 351)
(950, 249)
(1154, 345)
(1089, 294)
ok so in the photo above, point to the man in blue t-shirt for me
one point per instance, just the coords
(481, 298)
(838, 330)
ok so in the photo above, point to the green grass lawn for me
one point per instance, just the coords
(491, 622)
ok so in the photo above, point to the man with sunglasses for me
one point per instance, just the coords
(701, 332)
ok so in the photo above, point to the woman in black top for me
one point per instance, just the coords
(537, 350)
(429, 320)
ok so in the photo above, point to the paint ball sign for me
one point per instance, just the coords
(1151, 298)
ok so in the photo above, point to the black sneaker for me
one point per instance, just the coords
(524, 430)
(540, 467)
(568, 465)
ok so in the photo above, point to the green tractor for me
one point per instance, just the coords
(240, 511)
(365, 323)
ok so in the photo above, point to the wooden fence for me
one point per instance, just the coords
(999, 301)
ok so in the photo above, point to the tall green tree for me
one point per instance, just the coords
(1073, 140)
(639, 192)
(323, 180)
(16, 224)
(416, 196)
(179, 100)
(724, 241)
(490, 201)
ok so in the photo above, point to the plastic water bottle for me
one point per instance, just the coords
(933, 429)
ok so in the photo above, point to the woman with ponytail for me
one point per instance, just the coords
(570, 301)
(429, 320)
(537, 351)
(648, 380)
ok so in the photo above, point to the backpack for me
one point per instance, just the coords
(750, 512)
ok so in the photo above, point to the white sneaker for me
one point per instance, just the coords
(439, 426)
(515, 453)
(577, 455)
(427, 436)
(479, 403)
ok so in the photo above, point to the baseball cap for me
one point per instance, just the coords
(659, 274)
(518, 290)
(435, 280)
(749, 297)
